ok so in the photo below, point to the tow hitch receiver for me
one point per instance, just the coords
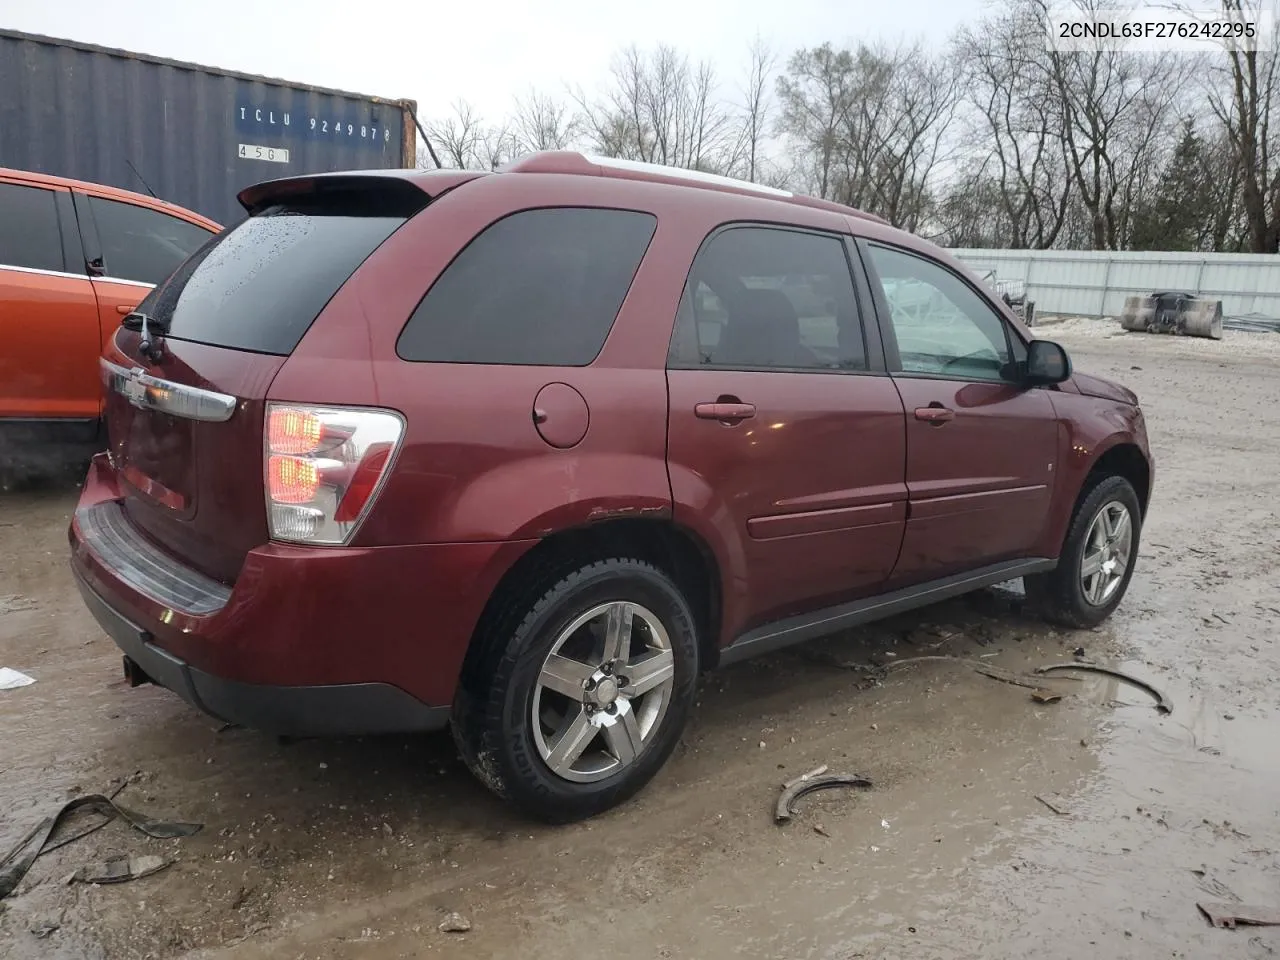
(135, 674)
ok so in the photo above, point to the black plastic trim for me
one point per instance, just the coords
(784, 633)
(331, 710)
(88, 234)
(72, 247)
(40, 431)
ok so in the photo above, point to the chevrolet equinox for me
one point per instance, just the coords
(523, 453)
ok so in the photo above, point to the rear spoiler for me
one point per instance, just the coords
(412, 188)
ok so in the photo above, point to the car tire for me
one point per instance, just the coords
(560, 736)
(1069, 595)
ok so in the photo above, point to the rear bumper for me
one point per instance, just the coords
(308, 641)
(328, 710)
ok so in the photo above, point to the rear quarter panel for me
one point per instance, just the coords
(473, 466)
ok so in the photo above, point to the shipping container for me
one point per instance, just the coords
(189, 134)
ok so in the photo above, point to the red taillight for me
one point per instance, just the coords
(324, 466)
(363, 483)
(293, 431)
(293, 479)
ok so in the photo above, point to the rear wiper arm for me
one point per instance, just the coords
(149, 326)
(144, 321)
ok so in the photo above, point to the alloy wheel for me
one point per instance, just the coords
(603, 691)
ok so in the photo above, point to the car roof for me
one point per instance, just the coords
(113, 193)
(573, 162)
(627, 181)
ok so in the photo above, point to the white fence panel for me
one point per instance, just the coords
(1095, 283)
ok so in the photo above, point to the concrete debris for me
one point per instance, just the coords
(455, 923)
(1228, 915)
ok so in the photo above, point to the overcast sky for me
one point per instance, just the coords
(486, 51)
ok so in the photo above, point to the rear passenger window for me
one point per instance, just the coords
(29, 233)
(761, 297)
(143, 244)
(541, 288)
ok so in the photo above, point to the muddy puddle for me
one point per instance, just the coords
(359, 849)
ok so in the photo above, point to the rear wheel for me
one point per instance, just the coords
(592, 687)
(1097, 558)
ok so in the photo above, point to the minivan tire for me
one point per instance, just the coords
(493, 723)
(1059, 595)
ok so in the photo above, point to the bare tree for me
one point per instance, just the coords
(1247, 104)
(458, 136)
(661, 109)
(497, 147)
(1117, 118)
(544, 123)
(815, 93)
(874, 123)
(1014, 120)
(756, 108)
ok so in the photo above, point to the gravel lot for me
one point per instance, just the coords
(323, 849)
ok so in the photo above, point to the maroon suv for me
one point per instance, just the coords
(524, 452)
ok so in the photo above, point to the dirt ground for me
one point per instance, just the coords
(358, 849)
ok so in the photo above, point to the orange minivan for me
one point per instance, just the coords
(75, 259)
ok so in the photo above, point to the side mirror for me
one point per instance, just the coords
(1047, 363)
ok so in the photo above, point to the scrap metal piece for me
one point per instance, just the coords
(15, 864)
(1177, 313)
(815, 772)
(798, 788)
(1162, 702)
(121, 869)
(1052, 806)
(1039, 693)
(1227, 915)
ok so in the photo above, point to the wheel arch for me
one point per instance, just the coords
(1084, 465)
(674, 549)
(1123, 458)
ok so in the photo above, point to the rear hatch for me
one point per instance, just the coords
(185, 413)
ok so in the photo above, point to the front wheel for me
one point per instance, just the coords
(590, 694)
(1097, 558)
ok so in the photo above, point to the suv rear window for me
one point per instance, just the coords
(259, 286)
(539, 288)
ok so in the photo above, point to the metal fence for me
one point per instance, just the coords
(1095, 283)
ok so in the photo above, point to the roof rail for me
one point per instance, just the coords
(573, 162)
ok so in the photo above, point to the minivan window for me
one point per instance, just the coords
(29, 233)
(142, 244)
(540, 287)
(764, 297)
(259, 285)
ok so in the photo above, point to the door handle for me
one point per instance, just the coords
(725, 411)
(935, 415)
